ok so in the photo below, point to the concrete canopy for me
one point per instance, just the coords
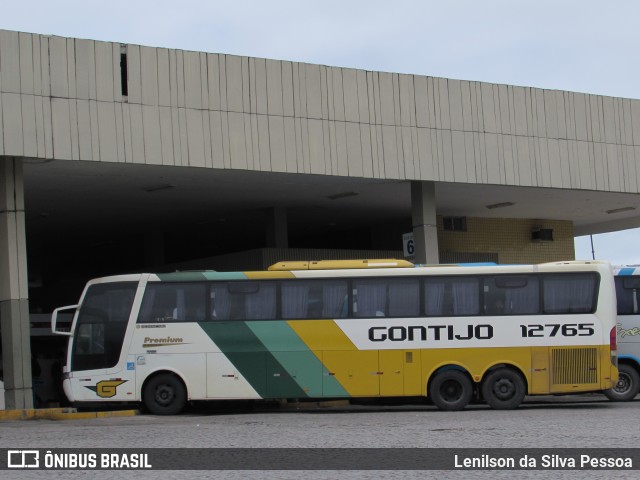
(101, 201)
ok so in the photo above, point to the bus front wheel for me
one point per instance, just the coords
(451, 390)
(164, 394)
(627, 387)
(503, 389)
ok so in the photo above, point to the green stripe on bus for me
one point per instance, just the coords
(195, 276)
(224, 275)
(253, 359)
(300, 363)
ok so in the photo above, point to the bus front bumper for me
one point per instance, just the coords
(68, 391)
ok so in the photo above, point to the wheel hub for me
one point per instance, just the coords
(623, 384)
(504, 389)
(451, 391)
(164, 394)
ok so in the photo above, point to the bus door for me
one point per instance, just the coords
(400, 373)
(94, 371)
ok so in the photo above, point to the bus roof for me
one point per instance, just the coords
(341, 264)
(365, 268)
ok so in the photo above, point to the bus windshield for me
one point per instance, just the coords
(101, 325)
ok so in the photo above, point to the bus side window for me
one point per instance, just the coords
(220, 302)
(156, 307)
(173, 303)
(434, 297)
(494, 305)
(190, 302)
(335, 299)
(627, 288)
(296, 300)
(261, 304)
(511, 295)
(465, 294)
(455, 296)
(243, 301)
(369, 298)
(573, 293)
(404, 297)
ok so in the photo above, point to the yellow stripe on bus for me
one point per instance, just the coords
(356, 370)
(268, 275)
(321, 335)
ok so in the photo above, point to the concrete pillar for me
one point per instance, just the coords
(423, 216)
(277, 233)
(14, 298)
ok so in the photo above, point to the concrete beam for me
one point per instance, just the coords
(606, 227)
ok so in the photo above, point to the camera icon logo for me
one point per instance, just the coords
(23, 459)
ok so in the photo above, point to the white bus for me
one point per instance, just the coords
(627, 280)
(344, 329)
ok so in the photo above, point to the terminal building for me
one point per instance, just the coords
(119, 158)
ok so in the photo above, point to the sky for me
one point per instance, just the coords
(578, 45)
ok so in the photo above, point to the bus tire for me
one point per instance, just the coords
(627, 387)
(451, 390)
(164, 394)
(503, 389)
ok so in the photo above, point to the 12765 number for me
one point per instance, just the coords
(557, 329)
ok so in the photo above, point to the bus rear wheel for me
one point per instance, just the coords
(451, 390)
(627, 387)
(503, 389)
(164, 394)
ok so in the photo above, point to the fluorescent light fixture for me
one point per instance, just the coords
(337, 196)
(500, 205)
(619, 210)
(158, 188)
(36, 161)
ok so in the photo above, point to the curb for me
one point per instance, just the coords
(62, 414)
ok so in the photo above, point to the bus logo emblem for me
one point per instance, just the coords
(106, 388)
